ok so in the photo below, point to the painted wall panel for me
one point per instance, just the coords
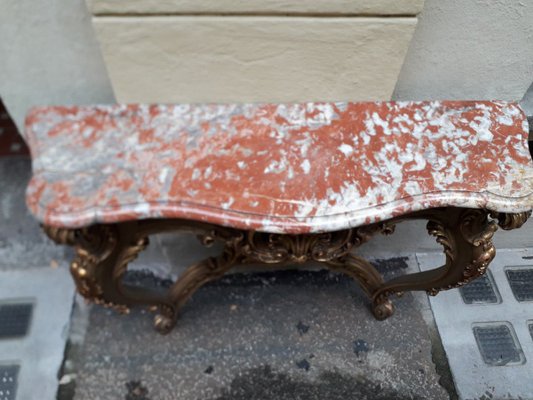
(253, 59)
(374, 7)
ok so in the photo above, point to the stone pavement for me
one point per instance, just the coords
(269, 335)
(282, 335)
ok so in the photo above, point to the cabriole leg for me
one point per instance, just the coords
(368, 278)
(102, 255)
(193, 279)
(104, 251)
(466, 235)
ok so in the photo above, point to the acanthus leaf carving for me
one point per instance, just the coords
(272, 248)
(103, 253)
(508, 221)
(473, 235)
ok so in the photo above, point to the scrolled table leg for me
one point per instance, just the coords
(102, 254)
(368, 277)
(466, 236)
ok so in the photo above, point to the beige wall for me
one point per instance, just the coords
(254, 50)
(252, 59)
(325, 7)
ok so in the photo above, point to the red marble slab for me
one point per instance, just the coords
(291, 168)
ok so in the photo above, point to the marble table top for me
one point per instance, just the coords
(290, 168)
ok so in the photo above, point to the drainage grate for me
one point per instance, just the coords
(521, 281)
(8, 381)
(481, 291)
(497, 344)
(15, 320)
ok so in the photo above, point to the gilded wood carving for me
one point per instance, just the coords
(103, 253)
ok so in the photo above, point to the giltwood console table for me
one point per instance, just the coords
(276, 183)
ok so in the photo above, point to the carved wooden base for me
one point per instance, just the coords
(104, 251)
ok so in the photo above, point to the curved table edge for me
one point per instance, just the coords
(282, 224)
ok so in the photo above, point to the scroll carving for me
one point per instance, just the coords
(271, 248)
(471, 236)
(511, 221)
(103, 253)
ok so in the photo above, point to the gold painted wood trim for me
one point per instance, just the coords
(103, 253)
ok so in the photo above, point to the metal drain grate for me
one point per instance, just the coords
(8, 381)
(481, 291)
(497, 344)
(521, 282)
(15, 320)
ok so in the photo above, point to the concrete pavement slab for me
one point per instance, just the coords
(487, 341)
(288, 334)
(37, 351)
